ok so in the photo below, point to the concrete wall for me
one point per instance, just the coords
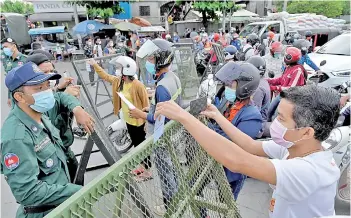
(155, 15)
(181, 27)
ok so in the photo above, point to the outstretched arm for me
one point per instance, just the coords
(224, 151)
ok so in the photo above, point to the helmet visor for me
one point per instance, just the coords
(228, 73)
(147, 49)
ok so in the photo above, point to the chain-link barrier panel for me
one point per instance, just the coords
(183, 66)
(99, 99)
(173, 177)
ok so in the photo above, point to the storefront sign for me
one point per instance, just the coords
(55, 6)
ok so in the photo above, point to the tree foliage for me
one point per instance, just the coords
(208, 9)
(16, 7)
(102, 8)
(327, 8)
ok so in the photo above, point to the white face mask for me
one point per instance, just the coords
(111, 44)
(118, 72)
(89, 43)
(120, 44)
(52, 83)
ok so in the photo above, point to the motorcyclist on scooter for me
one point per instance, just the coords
(308, 35)
(274, 58)
(262, 96)
(294, 75)
(198, 45)
(250, 48)
(234, 102)
(303, 45)
(229, 53)
(236, 41)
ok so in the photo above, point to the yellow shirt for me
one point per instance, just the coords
(125, 109)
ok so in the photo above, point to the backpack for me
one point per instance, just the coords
(241, 54)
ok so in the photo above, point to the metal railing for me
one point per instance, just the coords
(186, 182)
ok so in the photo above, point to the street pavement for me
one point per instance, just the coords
(253, 200)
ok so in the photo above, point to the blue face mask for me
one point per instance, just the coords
(8, 52)
(230, 94)
(43, 101)
(150, 67)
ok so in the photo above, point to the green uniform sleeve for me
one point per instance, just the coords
(23, 178)
(67, 100)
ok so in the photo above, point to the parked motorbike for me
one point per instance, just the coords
(200, 62)
(119, 134)
(338, 142)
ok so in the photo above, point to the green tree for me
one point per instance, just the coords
(208, 9)
(104, 9)
(16, 7)
(346, 8)
(326, 8)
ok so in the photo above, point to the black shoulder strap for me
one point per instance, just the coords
(246, 50)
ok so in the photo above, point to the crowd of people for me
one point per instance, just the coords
(40, 167)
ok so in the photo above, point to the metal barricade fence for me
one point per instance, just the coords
(186, 183)
(183, 66)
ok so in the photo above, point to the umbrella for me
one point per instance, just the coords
(88, 27)
(126, 26)
(140, 21)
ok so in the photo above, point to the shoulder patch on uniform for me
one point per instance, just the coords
(11, 161)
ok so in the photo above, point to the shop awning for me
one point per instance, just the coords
(151, 29)
(51, 17)
(47, 30)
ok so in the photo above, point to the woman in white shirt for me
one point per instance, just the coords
(304, 176)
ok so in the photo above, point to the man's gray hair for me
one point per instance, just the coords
(314, 106)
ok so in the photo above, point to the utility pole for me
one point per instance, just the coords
(285, 5)
(76, 20)
(223, 17)
(230, 19)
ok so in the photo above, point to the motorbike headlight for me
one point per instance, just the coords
(333, 140)
(341, 73)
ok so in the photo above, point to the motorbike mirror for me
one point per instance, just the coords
(271, 74)
(323, 63)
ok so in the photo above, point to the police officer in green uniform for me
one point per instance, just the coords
(60, 115)
(33, 160)
(11, 57)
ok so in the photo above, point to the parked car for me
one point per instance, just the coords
(336, 69)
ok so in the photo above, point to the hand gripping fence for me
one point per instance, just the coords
(185, 182)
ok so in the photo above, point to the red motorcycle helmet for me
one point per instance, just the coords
(216, 37)
(276, 47)
(292, 55)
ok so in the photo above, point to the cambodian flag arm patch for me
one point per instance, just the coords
(11, 161)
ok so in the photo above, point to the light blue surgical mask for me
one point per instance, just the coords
(150, 67)
(230, 94)
(43, 101)
(8, 52)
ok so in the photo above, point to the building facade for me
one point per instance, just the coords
(152, 11)
(55, 13)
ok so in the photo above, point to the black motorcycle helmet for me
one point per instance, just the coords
(164, 56)
(246, 75)
(252, 38)
(303, 45)
(259, 63)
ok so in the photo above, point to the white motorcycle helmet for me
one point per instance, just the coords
(125, 66)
